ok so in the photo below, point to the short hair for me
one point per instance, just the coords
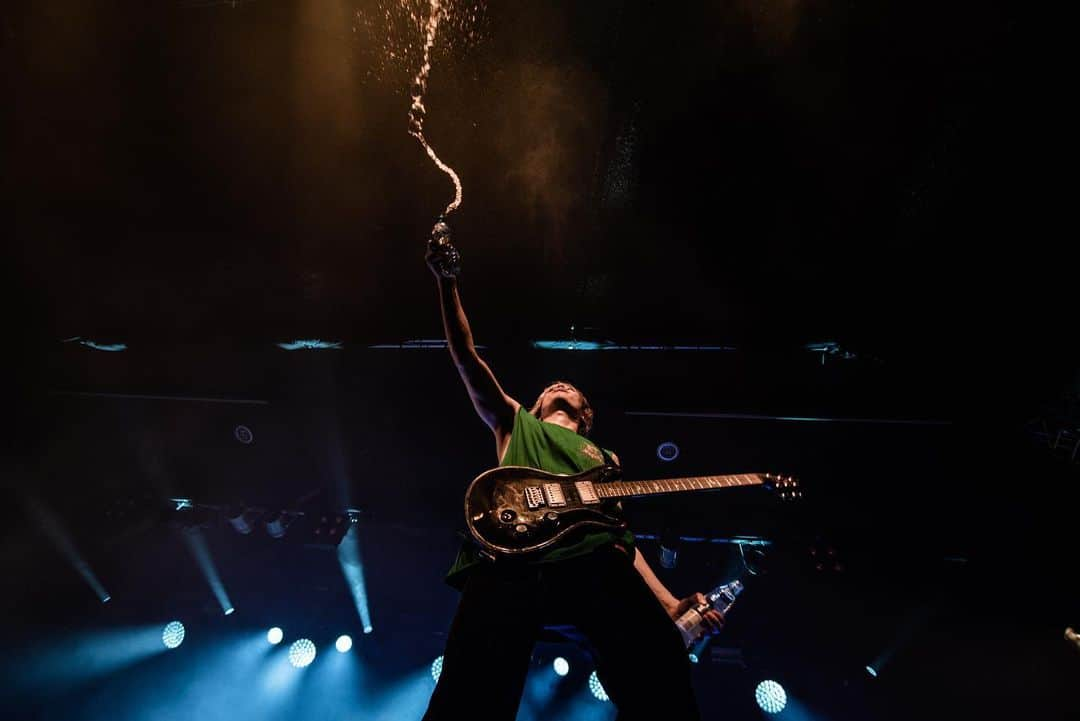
(585, 422)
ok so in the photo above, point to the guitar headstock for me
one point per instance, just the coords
(787, 487)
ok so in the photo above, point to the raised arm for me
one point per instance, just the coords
(492, 404)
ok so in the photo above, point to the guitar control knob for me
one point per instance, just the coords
(551, 516)
(521, 528)
(507, 516)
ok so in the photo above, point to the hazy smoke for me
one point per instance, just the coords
(549, 136)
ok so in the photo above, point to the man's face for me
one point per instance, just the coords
(561, 396)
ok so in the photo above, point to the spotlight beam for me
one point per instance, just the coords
(915, 620)
(352, 567)
(196, 543)
(54, 529)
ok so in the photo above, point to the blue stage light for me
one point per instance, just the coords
(301, 653)
(667, 451)
(173, 635)
(597, 690)
(561, 666)
(436, 668)
(872, 671)
(343, 644)
(275, 635)
(770, 696)
(312, 344)
(572, 344)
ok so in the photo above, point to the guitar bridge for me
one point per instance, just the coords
(534, 497)
(554, 494)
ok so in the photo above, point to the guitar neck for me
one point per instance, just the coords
(627, 489)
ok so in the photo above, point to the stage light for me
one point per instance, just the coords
(352, 568)
(242, 521)
(597, 690)
(301, 653)
(607, 345)
(436, 668)
(311, 344)
(561, 666)
(872, 671)
(343, 644)
(697, 651)
(277, 523)
(109, 347)
(329, 529)
(770, 696)
(173, 634)
(667, 451)
(572, 344)
(669, 543)
(56, 531)
(229, 611)
(200, 551)
(275, 635)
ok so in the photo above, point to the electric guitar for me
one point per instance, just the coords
(513, 511)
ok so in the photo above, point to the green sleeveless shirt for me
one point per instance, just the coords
(554, 449)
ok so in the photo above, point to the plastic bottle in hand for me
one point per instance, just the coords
(692, 623)
(448, 261)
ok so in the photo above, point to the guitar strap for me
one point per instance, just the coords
(608, 460)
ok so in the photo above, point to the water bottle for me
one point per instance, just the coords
(449, 261)
(692, 623)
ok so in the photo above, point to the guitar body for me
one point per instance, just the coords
(513, 511)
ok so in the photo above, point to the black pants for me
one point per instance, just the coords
(639, 654)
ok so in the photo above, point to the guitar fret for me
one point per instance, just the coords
(615, 489)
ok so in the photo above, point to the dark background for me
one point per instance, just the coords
(200, 181)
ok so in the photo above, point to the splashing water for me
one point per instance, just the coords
(418, 111)
(391, 34)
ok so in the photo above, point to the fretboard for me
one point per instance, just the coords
(622, 489)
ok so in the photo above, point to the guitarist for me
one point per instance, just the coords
(597, 583)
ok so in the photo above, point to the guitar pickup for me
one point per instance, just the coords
(586, 492)
(554, 494)
(534, 497)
